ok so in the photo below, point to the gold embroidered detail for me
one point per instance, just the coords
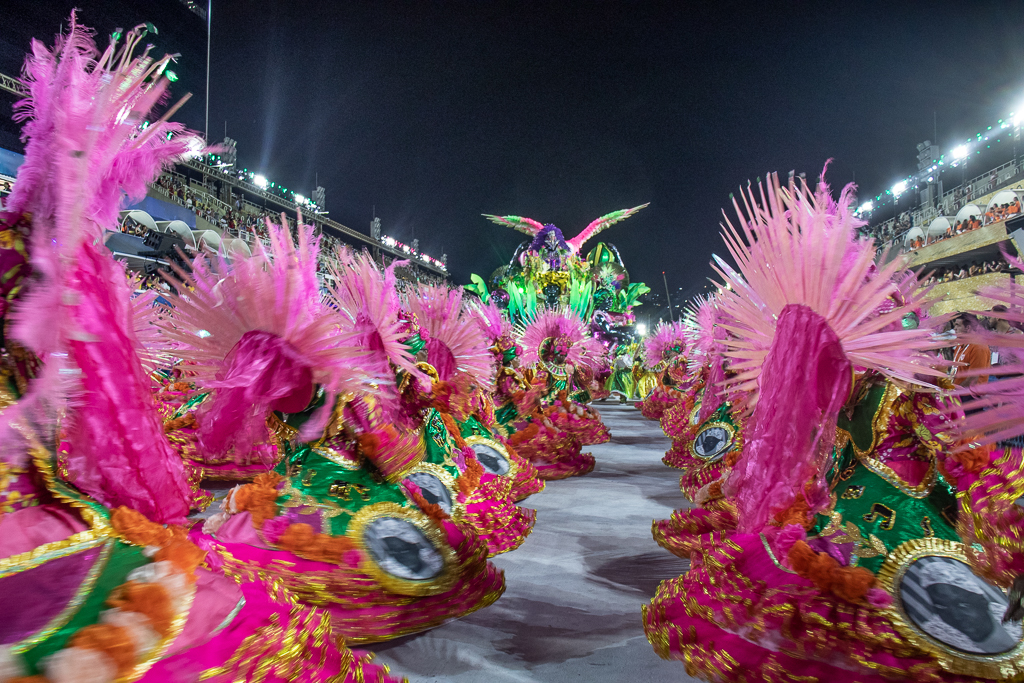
(926, 526)
(853, 492)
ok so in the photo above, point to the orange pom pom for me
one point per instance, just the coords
(148, 599)
(136, 528)
(113, 641)
(184, 555)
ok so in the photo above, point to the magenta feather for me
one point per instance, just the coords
(600, 225)
(805, 306)
(266, 309)
(367, 299)
(665, 336)
(456, 346)
(584, 350)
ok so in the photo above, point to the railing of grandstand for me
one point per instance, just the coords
(12, 85)
(249, 187)
(949, 203)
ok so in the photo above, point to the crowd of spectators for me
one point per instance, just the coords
(961, 272)
(1002, 212)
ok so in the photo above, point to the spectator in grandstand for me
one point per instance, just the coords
(971, 356)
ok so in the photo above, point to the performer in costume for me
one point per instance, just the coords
(342, 521)
(460, 365)
(664, 348)
(94, 590)
(861, 597)
(621, 383)
(483, 420)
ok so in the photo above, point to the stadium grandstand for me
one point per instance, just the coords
(207, 202)
(953, 225)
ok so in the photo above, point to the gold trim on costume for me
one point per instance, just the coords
(447, 480)
(1005, 665)
(473, 439)
(729, 429)
(434, 535)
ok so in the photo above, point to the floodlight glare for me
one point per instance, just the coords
(899, 188)
(260, 181)
(299, 199)
(960, 152)
(866, 207)
(641, 329)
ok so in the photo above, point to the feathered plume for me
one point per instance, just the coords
(801, 312)
(560, 325)
(527, 225)
(86, 148)
(600, 225)
(456, 347)
(666, 337)
(495, 326)
(367, 299)
(260, 338)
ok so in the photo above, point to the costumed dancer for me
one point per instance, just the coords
(94, 587)
(341, 521)
(553, 344)
(846, 556)
(484, 419)
(459, 365)
(621, 382)
(665, 348)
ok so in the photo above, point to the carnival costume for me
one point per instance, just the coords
(664, 348)
(94, 587)
(461, 367)
(338, 521)
(484, 413)
(843, 564)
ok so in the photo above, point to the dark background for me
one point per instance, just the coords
(436, 112)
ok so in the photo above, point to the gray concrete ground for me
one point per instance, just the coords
(571, 611)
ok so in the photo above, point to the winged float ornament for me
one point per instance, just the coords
(548, 232)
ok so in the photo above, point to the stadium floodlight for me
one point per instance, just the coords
(866, 207)
(960, 152)
(299, 199)
(899, 188)
(260, 181)
(641, 329)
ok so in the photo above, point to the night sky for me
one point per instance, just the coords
(436, 112)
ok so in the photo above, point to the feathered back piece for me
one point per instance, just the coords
(667, 337)
(86, 149)
(456, 346)
(563, 328)
(367, 298)
(260, 338)
(495, 326)
(801, 313)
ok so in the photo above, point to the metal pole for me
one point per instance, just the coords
(668, 297)
(209, 25)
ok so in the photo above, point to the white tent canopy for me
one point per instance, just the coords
(967, 212)
(236, 247)
(140, 217)
(181, 229)
(913, 234)
(1000, 198)
(939, 226)
(207, 238)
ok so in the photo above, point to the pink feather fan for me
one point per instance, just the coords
(456, 346)
(665, 337)
(260, 338)
(583, 350)
(367, 298)
(85, 151)
(801, 313)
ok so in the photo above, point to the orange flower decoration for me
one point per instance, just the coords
(470, 479)
(300, 539)
(113, 641)
(136, 528)
(149, 599)
(847, 583)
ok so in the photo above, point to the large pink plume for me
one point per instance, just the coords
(584, 350)
(86, 150)
(492, 322)
(260, 338)
(802, 310)
(367, 298)
(665, 337)
(456, 346)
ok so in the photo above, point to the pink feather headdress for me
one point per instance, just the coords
(367, 298)
(456, 346)
(561, 326)
(86, 149)
(801, 313)
(259, 336)
(666, 337)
